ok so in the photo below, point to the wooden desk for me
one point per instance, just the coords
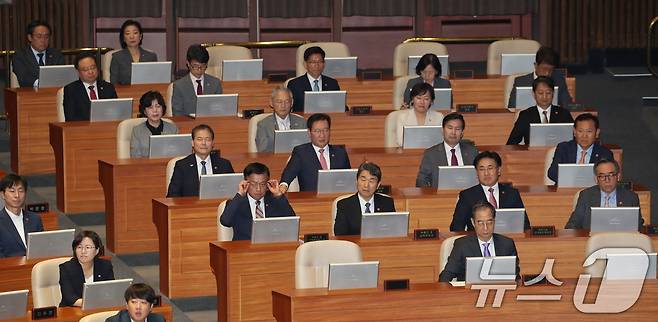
(49, 220)
(246, 273)
(184, 225)
(74, 314)
(442, 302)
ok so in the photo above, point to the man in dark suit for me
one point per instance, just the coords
(544, 112)
(545, 62)
(257, 197)
(197, 82)
(281, 119)
(488, 166)
(583, 149)
(349, 210)
(312, 80)
(15, 223)
(26, 61)
(185, 179)
(606, 193)
(484, 243)
(307, 159)
(451, 152)
(79, 94)
(139, 302)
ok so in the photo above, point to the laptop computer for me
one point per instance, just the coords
(442, 99)
(275, 230)
(510, 220)
(412, 62)
(517, 63)
(169, 145)
(57, 75)
(337, 180)
(340, 67)
(325, 102)
(286, 140)
(525, 99)
(385, 224)
(353, 275)
(242, 69)
(575, 175)
(614, 219)
(13, 304)
(491, 270)
(421, 136)
(633, 265)
(225, 185)
(111, 109)
(51, 243)
(158, 72)
(104, 294)
(550, 134)
(457, 177)
(216, 105)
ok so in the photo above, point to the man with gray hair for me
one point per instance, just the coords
(281, 103)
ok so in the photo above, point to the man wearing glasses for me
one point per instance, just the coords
(79, 94)
(26, 61)
(312, 80)
(606, 194)
(258, 197)
(186, 89)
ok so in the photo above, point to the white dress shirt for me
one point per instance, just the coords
(325, 153)
(311, 80)
(252, 206)
(492, 249)
(363, 203)
(282, 124)
(18, 224)
(208, 164)
(548, 113)
(195, 84)
(496, 193)
(86, 85)
(458, 153)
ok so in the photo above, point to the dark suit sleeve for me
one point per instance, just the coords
(176, 182)
(577, 218)
(111, 91)
(341, 226)
(456, 266)
(22, 68)
(518, 131)
(557, 159)
(114, 70)
(424, 176)
(263, 138)
(231, 210)
(564, 97)
(460, 219)
(347, 159)
(293, 167)
(511, 103)
(297, 90)
(281, 207)
(66, 281)
(226, 166)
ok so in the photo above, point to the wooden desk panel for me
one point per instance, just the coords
(74, 314)
(441, 302)
(49, 220)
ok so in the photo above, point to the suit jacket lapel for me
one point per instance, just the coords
(7, 222)
(207, 84)
(554, 115)
(502, 196)
(33, 59)
(314, 155)
(442, 154)
(307, 84)
(474, 246)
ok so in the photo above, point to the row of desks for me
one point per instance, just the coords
(31, 110)
(74, 314)
(186, 225)
(247, 274)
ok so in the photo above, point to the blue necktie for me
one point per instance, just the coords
(316, 88)
(487, 253)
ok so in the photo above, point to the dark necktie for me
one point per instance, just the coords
(368, 208)
(492, 198)
(453, 159)
(203, 168)
(92, 93)
(544, 118)
(316, 88)
(199, 88)
(41, 63)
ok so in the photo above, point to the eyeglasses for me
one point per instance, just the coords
(320, 131)
(315, 62)
(88, 69)
(197, 66)
(41, 36)
(607, 176)
(85, 248)
(258, 184)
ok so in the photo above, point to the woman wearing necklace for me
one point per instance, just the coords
(422, 97)
(130, 38)
(152, 107)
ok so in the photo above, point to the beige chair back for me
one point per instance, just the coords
(106, 62)
(614, 240)
(59, 102)
(312, 261)
(124, 134)
(513, 46)
(224, 52)
(99, 317)
(509, 83)
(548, 159)
(446, 249)
(399, 85)
(223, 233)
(404, 50)
(168, 95)
(251, 132)
(331, 49)
(575, 199)
(294, 184)
(45, 282)
(390, 129)
(334, 210)
(13, 79)
(170, 169)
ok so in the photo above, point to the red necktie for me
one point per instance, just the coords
(492, 198)
(199, 88)
(453, 159)
(323, 161)
(92, 93)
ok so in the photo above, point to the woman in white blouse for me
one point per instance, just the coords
(422, 97)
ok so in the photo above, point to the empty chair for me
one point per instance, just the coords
(404, 50)
(99, 317)
(59, 102)
(334, 209)
(106, 61)
(45, 282)
(446, 249)
(251, 132)
(513, 46)
(614, 240)
(223, 233)
(124, 134)
(390, 129)
(312, 261)
(548, 159)
(170, 169)
(13, 79)
(399, 85)
(331, 49)
(224, 52)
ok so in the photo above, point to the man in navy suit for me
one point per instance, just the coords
(26, 61)
(312, 80)
(307, 159)
(15, 223)
(484, 243)
(139, 298)
(545, 61)
(349, 210)
(79, 94)
(583, 149)
(488, 166)
(257, 197)
(185, 179)
(544, 112)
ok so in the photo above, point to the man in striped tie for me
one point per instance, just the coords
(258, 197)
